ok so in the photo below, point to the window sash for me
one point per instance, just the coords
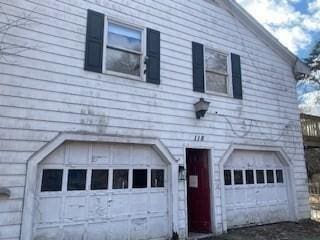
(140, 53)
(128, 27)
(215, 91)
(124, 49)
(221, 73)
(120, 29)
(215, 70)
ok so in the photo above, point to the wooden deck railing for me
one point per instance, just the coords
(314, 188)
(310, 126)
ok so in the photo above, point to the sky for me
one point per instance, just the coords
(296, 23)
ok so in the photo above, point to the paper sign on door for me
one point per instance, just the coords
(193, 181)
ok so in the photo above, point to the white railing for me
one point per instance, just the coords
(314, 190)
(310, 125)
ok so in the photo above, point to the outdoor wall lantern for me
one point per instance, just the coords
(182, 173)
(4, 192)
(201, 108)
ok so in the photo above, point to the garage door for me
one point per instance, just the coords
(256, 189)
(102, 191)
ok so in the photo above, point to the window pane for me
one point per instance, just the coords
(140, 178)
(99, 179)
(270, 176)
(77, 180)
(216, 82)
(51, 180)
(279, 174)
(249, 177)
(238, 177)
(120, 179)
(227, 177)
(216, 61)
(124, 37)
(123, 62)
(260, 176)
(157, 178)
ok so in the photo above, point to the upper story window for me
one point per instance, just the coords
(124, 49)
(216, 72)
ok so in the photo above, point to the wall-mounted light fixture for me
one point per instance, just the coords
(182, 173)
(4, 192)
(201, 107)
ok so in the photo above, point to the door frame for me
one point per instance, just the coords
(211, 184)
(33, 162)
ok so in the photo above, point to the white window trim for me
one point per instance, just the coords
(142, 76)
(229, 73)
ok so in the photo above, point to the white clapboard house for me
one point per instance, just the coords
(135, 119)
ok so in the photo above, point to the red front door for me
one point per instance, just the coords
(199, 211)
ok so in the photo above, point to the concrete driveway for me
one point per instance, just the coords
(304, 230)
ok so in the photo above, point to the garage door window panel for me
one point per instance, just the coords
(270, 176)
(279, 175)
(139, 178)
(238, 177)
(157, 178)
(77, 180)
(260, 176)
(99, 179)
(227, 178)
(120, 179)
(51, 180)
(249, 177)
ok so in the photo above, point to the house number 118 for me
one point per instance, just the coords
(199, 138)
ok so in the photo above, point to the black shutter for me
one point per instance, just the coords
(94, 42)
(236, 76)
(153, 54)
(198, 67)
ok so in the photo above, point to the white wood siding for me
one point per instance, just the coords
(46, 91)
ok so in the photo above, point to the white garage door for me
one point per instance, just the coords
(256, 189)
(102, 191)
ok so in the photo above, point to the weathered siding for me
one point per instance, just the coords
(46, 91)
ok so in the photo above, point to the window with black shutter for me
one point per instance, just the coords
(117, 48)
(216, 72)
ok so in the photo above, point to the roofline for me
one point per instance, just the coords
(298, 66)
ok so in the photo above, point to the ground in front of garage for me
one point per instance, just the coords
(304, 230)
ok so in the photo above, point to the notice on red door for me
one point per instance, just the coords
(193, 181)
